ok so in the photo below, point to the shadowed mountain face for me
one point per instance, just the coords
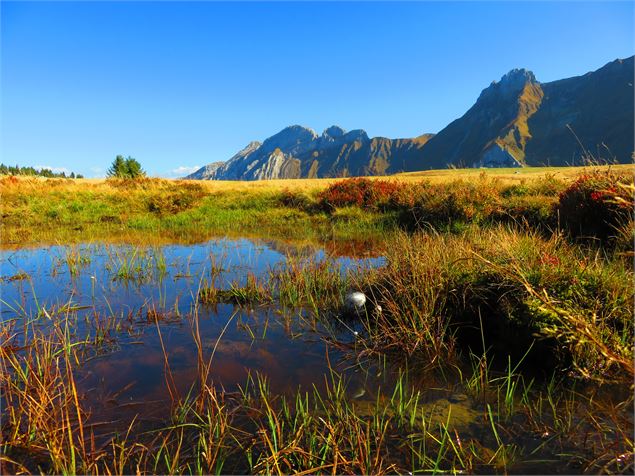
(519, 121)
(515, 122)
(598, 106)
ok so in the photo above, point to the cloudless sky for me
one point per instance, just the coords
(178, 85)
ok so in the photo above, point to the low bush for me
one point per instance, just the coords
(360, 192)
(445, 205)
(9, 180)
(134, 183)
(172, 202)
(549, 185)
(535, 211)
(175, 198)
(596, 205)
(291, 199)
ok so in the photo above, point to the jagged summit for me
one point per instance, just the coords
(292, 136)
(518, 76)
(510, 84)
(333, 132)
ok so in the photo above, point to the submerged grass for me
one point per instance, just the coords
(317, 285)
(136, 264)
(46, 426)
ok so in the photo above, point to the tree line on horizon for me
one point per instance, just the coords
(120, 168)
(32, 171)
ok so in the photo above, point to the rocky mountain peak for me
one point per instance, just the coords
(518, 77)
(297, 132)
(510, 84)
(357, 134)
(289, 137)
(333, 132)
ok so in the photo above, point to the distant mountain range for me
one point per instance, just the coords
(515, 122)
(297, 152)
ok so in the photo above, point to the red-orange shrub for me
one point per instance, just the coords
(361, 192)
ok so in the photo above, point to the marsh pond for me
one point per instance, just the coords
(236, 355)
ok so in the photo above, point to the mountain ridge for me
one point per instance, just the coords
(297, 151)
(516, 121)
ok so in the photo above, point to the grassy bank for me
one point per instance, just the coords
(513, 294)
(67, 211)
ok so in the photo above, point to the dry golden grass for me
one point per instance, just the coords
(36, 209)
(510, 175)
(505, 176)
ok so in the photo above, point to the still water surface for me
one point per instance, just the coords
(126, 373)
(138, 307)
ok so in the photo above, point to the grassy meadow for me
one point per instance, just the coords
(513, 288)
(64, 210)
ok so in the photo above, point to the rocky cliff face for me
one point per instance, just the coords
(298, 152)
(206, 172)
(516, 121)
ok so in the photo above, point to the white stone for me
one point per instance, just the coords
(355, 301)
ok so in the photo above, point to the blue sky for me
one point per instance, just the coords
(178, 85)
